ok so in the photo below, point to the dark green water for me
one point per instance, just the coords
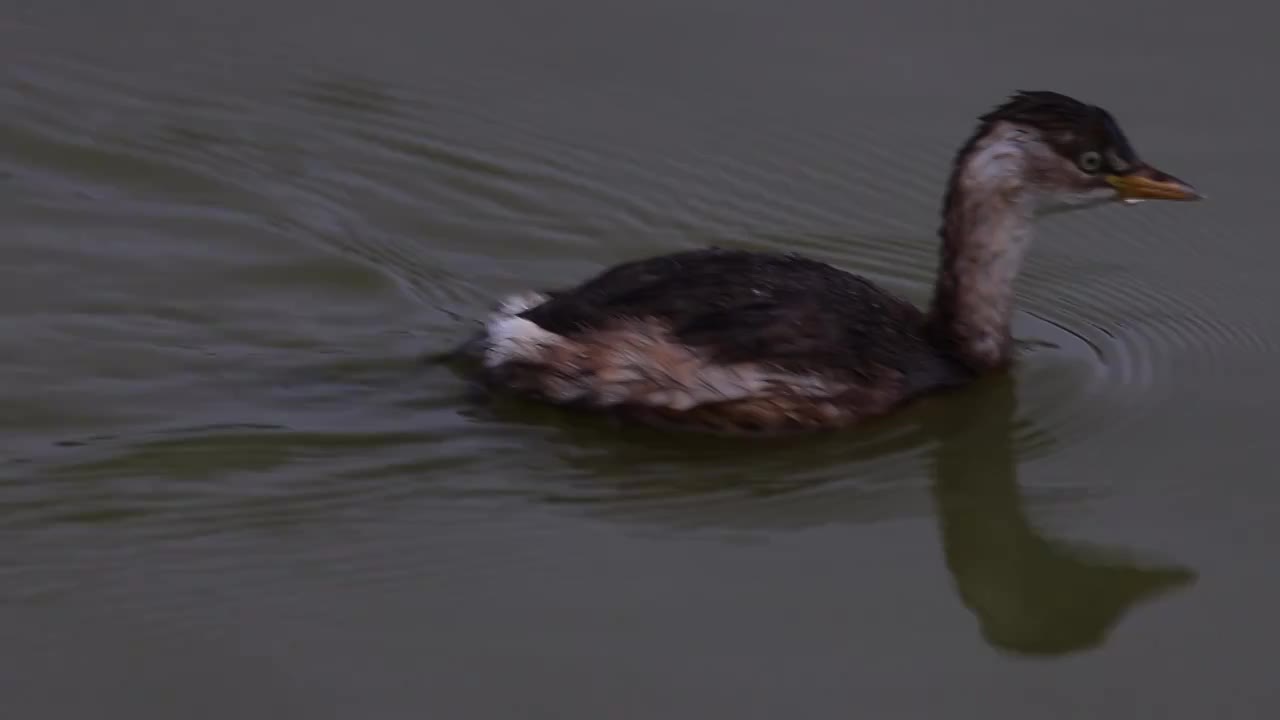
(229, 487)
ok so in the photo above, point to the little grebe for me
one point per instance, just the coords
(737, 341)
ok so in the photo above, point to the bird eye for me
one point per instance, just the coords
(1090, 161)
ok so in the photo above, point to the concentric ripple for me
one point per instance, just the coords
(404, 211)
(235, 232)
(1102, 349)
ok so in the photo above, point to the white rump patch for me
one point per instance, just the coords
(516, 304)
(509, 337)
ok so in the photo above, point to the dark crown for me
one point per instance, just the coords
(1059, 115)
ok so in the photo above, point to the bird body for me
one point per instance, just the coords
(726, 340)
(738, 341)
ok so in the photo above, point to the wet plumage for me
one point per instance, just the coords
(737, 306)
(740, 341)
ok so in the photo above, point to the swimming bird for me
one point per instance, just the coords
(739, 341)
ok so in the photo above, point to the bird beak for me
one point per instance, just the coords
(1148, 183)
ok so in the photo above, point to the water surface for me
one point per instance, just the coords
(230, 487)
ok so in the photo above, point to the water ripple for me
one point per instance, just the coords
(393, 216)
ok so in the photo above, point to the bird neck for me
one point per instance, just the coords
(986, 230)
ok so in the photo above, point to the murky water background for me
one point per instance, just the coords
(230, 488)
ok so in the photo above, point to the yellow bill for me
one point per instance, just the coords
(1148, 183)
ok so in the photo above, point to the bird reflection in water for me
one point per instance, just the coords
(1031, 594)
